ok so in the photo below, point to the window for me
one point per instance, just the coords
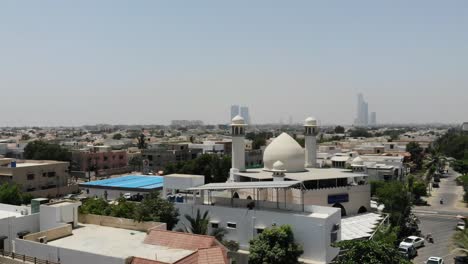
(259, 230)
(150, 157)
(231, 225)
(121, 157)
(105, 158)
(30, 176)
(51, 174)
(44, 174)
(214, 225)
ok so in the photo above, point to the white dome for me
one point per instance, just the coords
(310, 121)
(285, 149)
(238, 120)
(278, 166)
(357, 161)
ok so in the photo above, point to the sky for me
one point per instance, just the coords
(148, 62)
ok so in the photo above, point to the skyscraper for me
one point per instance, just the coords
(234, 111)
(244, 112)
(362, 118)
(373, 119)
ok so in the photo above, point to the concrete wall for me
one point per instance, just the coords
(58, 214)
(10, 227)
(359, 195)
(62, 255)
(111, 194)
(53, 192)
(120, 222)
(51, 234)
(313, 233)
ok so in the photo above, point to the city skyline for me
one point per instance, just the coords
(76, 63)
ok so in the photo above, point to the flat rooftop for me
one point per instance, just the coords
(308, 175)
(129, 182)
(6, 214)
(117, 242)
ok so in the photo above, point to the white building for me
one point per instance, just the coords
(465, 126)
(288, 190)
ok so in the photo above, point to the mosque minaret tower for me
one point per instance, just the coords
(310, 135)
(238, 143)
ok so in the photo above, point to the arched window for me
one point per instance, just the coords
(343, 210)
(235, 195)
(362, 210)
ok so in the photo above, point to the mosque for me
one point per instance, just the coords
(285, 160)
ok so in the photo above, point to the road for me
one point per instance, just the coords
(440, 220)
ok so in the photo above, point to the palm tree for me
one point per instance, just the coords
(199, 224)
(219, 233)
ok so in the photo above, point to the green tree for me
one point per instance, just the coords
(41, 150)
(461, 239)
(275, 245)
(199, 224)
(339, 130)
(416, 152)
(142, 141)
(12, 194)
(123, 208)
(97, 206)
(369, 252)
(419, 189)
(397, 201)
(154, 208)
(117, 136)
(359, 132)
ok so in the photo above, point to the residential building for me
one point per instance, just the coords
(100, 159)
(57, 233)
(159, 155)
(39, 177)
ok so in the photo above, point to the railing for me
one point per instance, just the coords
(25, 258)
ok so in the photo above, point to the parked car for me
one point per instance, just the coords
(435, 260)
(460, 260)
(408, 251)
(435, 185)
(127, 196)
(461, 225)
(413, 241)
(437, 179)
(70, 196)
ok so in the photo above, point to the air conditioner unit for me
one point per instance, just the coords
(43, 239)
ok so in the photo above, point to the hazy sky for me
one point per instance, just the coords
(140, 62)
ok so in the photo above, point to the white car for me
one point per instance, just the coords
(435, 260)
(461, 225)
(413, 241)
(127, 196)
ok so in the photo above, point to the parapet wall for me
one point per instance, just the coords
(116, 222)
(51, 234)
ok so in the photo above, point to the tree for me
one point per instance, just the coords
(368, 251)
(339, 130)
(141, 141)
(213, 167)
(154, 208)
(416, 152)
(275, 245)
(12, 194)
(419, 189)
(397, 201)
(199, 224)
(117, 136)
(97, 206)
(41, 150)
(360, 132)
(461, 239)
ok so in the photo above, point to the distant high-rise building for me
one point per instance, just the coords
(373, 118)
(234, 111)
(244, 112)
(362, 118)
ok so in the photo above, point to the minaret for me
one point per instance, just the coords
(310, 134)
(238, 143)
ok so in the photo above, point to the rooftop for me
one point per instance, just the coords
(116, 242)
(129, 181)
(309, 174)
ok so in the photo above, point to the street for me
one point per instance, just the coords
(440, 219)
